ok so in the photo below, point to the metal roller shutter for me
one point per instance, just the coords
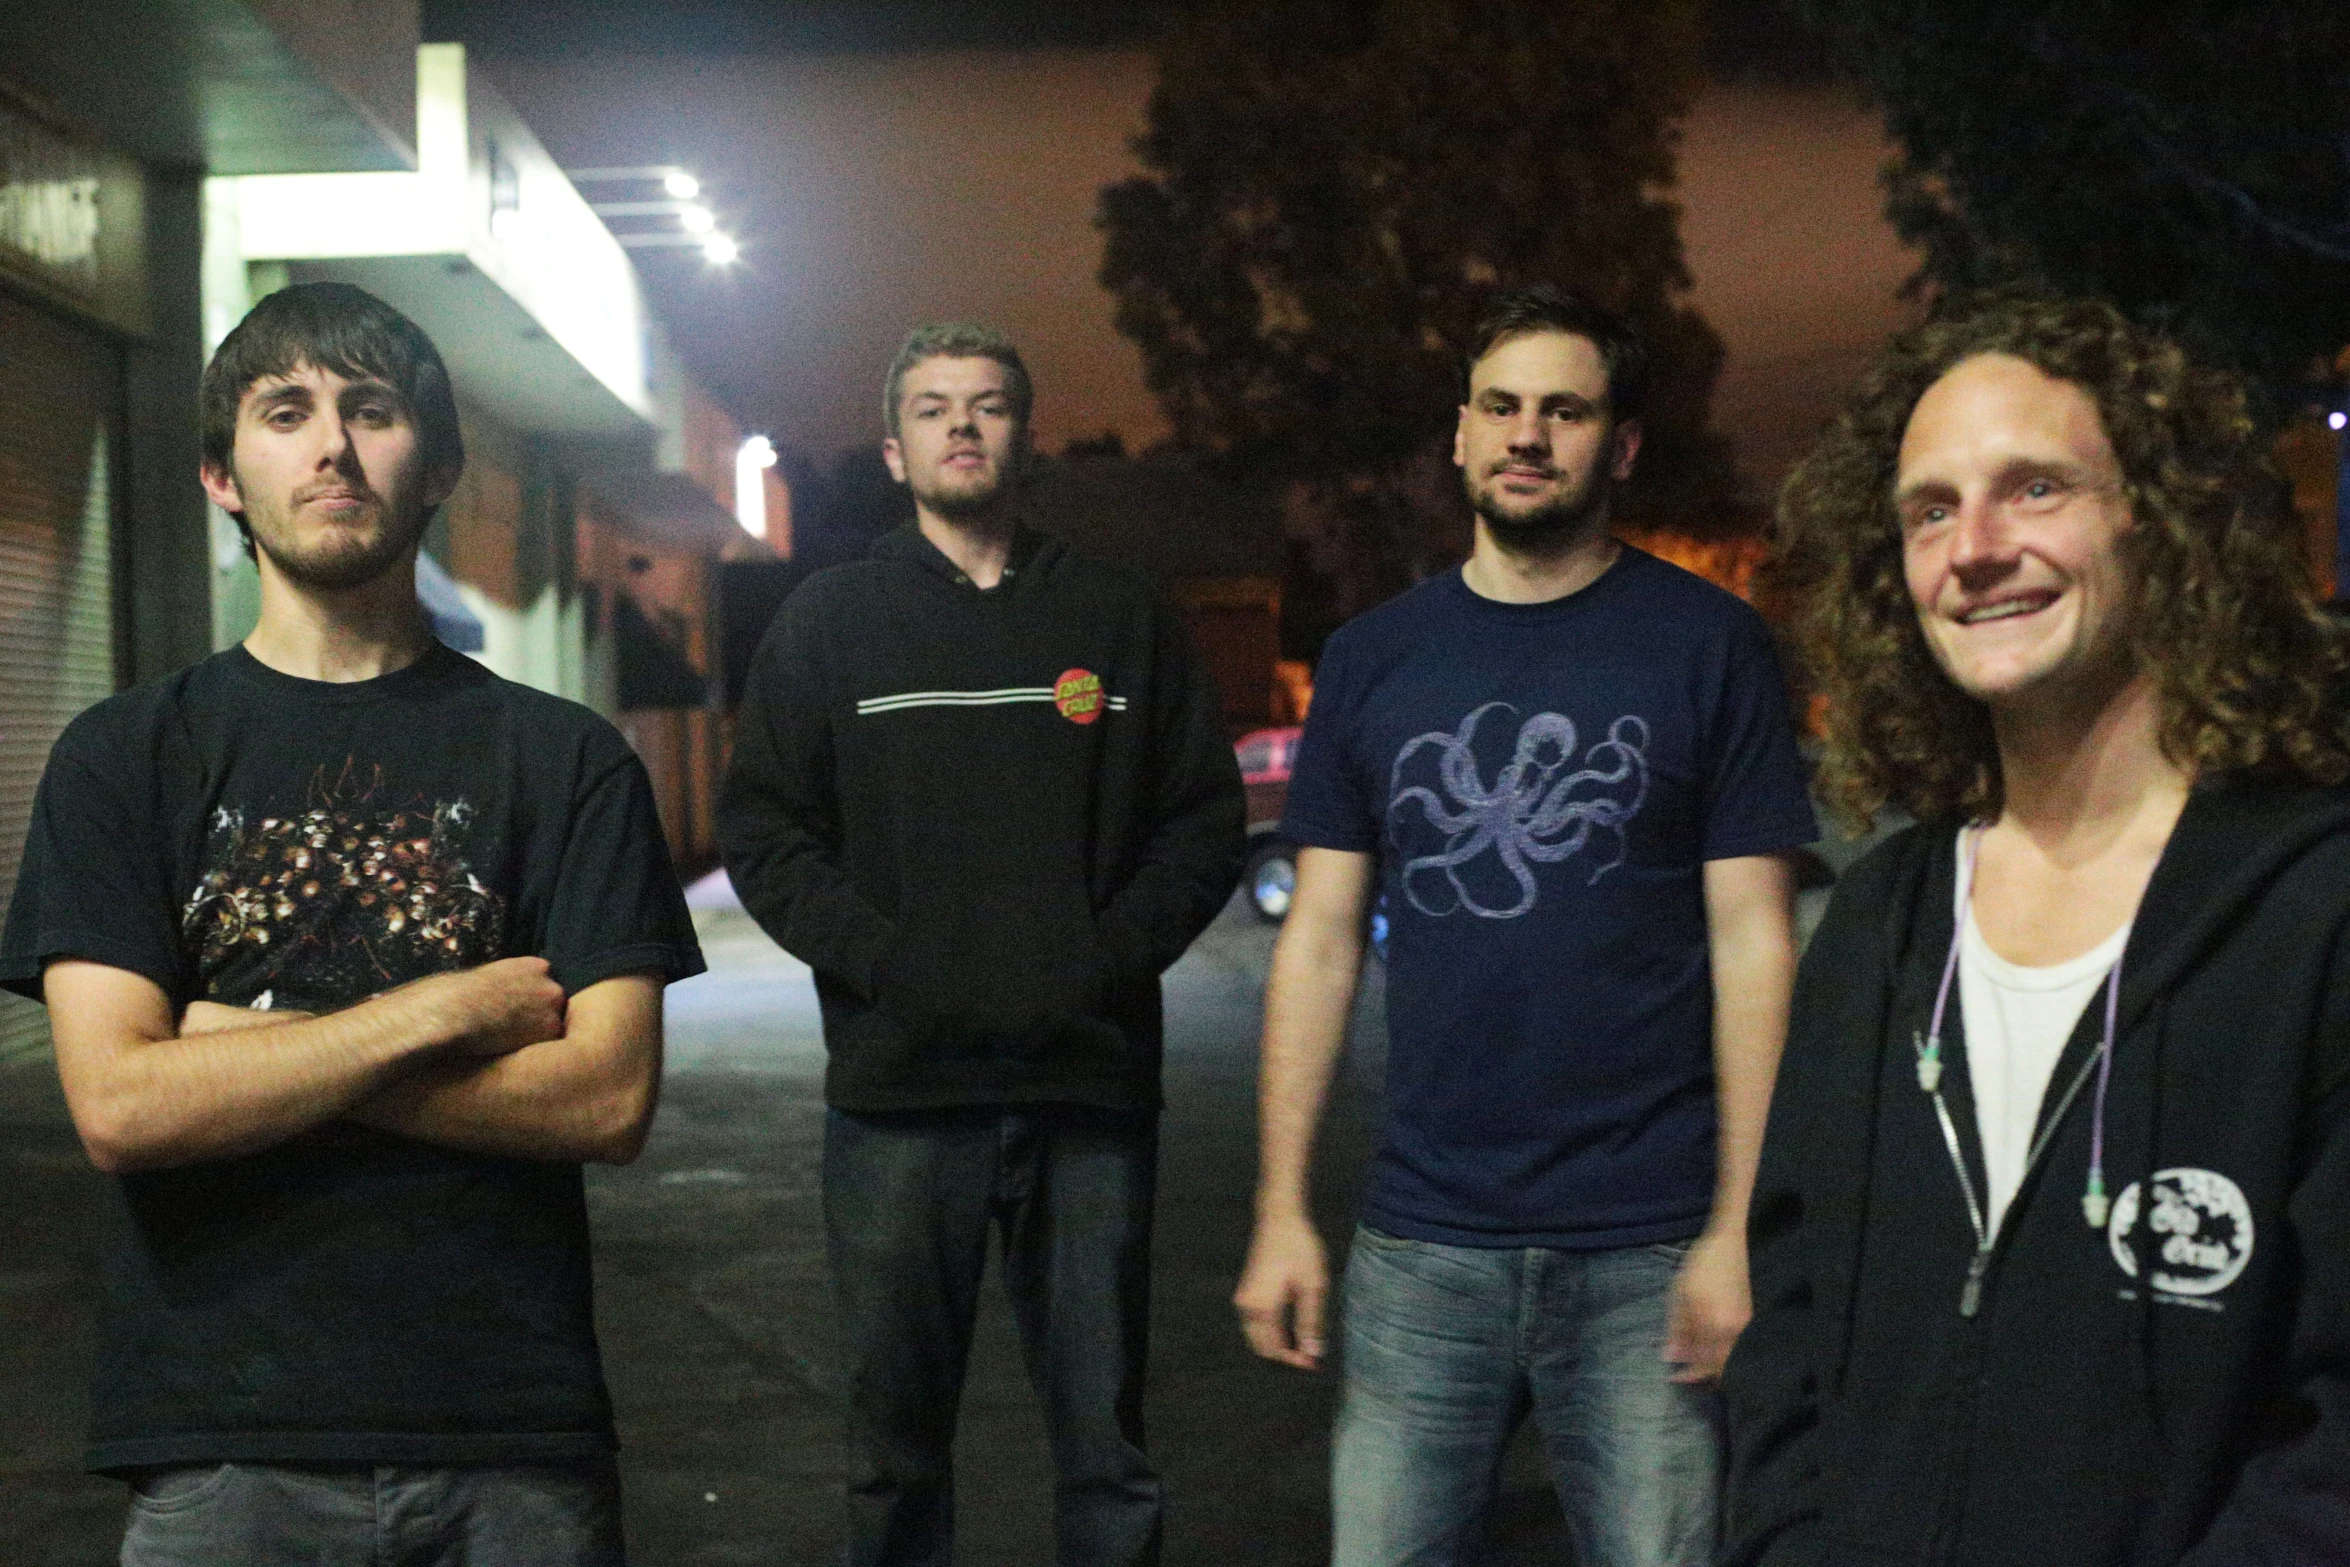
(60, 387)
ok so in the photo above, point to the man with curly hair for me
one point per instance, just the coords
(2049, 1245)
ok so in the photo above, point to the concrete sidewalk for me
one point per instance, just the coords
(717, 1336)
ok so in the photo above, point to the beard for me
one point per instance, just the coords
(1542, 529)
(343, 559)
(959, 501)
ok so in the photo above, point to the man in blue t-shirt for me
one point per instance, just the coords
(1569, 766)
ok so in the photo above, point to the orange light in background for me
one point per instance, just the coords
(1726, 563)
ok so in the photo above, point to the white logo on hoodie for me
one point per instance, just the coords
(2201, 1231)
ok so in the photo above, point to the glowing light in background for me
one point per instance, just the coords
(2337, 419)
(681, 185)
(697, 220)
(721, 249)
(752, 459)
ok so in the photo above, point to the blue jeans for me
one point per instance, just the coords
(1449, 1347)
(264, 1515)
(909, 1201)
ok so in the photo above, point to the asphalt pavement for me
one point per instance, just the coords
(717, 1335)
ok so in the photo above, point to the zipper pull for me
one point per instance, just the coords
(1929, 1061)
(1970, 1299)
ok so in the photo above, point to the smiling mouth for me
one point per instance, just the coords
(2005, 609)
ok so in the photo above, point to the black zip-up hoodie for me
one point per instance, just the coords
(987, 820)
(2077, 1418)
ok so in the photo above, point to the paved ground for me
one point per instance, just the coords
(714, 1322)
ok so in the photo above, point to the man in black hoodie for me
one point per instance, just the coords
(981, 786)
(2051, 1240)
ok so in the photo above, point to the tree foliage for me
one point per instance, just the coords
(2187, 159)
(1337, 188)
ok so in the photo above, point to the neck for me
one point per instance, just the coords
(2077, 780)
(979, 544)
(340, 635)
(1516, 574)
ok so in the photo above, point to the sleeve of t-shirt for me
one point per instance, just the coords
(616, 906)
(95, 882)
(1758, 796)
(1329, 805)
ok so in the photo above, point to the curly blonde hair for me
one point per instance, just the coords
(2250, 670)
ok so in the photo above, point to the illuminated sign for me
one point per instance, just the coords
(48, 201)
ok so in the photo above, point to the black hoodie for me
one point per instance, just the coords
(987, 820)
(2077, 1418)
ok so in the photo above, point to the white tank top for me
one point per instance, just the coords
(2017, 1021)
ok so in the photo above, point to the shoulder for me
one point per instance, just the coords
(556, 728)
(1691, 600)
(1880, 888)
(1402, 621)
(133, 723)
(1091, 586)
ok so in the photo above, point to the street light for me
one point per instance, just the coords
(752, 459)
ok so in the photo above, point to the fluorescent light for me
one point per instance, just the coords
(751, 459)
(721, 249)
(681, 185)
(697, 220)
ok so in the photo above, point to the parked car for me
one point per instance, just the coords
(1265, 756)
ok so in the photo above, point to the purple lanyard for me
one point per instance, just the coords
(2094, 1204)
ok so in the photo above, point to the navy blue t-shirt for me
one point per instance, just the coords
(1543, 784)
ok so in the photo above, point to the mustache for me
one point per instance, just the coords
(1541, 470)
(357, 489)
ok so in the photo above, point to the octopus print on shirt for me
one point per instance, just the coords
(1530, 815)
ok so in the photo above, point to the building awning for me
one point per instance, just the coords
(670, 511)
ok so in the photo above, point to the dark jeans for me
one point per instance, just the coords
(262, 1515)
(908, 1204)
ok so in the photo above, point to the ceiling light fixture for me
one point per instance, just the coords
(681, 185)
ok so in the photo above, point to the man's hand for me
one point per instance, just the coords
(1711, 1302)
(1284, 1291)
(498, 1008)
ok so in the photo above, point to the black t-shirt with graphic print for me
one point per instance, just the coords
(245, 837)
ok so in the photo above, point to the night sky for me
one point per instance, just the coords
(895, 162)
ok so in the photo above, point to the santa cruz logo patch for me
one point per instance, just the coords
(1078, 694)
(2199, 1233)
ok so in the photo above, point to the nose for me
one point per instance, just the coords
(1528, 433)
(334, 439)
(1979, 539)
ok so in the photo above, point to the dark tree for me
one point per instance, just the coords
(2187, 159)
(1336, 190)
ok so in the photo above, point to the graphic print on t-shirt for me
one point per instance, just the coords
(345, 898)
(1530, 814)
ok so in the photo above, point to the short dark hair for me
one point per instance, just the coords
(1545, 307)
(332, 326)
(957, 340)
(2249, 669)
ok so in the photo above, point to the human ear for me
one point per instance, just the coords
(220, 487)
(1627, 442)
(894, 456)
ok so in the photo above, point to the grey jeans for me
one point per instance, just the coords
(262, 1515)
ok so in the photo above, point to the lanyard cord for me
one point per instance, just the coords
(2094, 1203)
